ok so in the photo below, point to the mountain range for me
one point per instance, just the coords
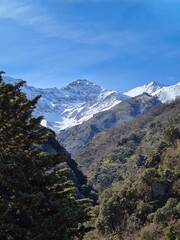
(76, 137)
(80, 100)
(70, 105)
(125, 151)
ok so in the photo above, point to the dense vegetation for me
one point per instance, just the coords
(117, 153)
(146, 205)
(37, 200)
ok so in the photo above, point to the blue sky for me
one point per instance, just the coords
(118, 44)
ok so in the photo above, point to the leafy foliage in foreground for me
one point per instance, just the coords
(36, 202)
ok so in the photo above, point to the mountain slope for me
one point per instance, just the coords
(149, 88)
(146, 205)
(164, 93)
(115, 153)
(77, 137)
(167, 94)
(52, 146)
(71, 105)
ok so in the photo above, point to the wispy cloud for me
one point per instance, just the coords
(33, 16)
(14, 10)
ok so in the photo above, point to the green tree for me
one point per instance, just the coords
(36, 202)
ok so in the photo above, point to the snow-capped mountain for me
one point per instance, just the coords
(71, 105)
(168, 93)
(163, 92)
(149, 88)
(81, 99)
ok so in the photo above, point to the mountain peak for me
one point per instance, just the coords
(82, 90)
(155, 84)
(81, 82)
(149, 88)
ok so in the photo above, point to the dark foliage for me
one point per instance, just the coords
(37, 200)
(146, 205)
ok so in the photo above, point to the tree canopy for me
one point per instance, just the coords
(36, 202)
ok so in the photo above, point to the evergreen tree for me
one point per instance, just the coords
(36, 202)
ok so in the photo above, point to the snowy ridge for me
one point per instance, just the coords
(149, 88)
(80, 100)
(164, 93)
(71, 105)
(169, 93)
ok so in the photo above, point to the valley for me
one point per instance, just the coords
(90, 120)
(119, 152)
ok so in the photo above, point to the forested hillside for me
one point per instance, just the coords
(141, 178)
(147, 204)
(116, 153)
